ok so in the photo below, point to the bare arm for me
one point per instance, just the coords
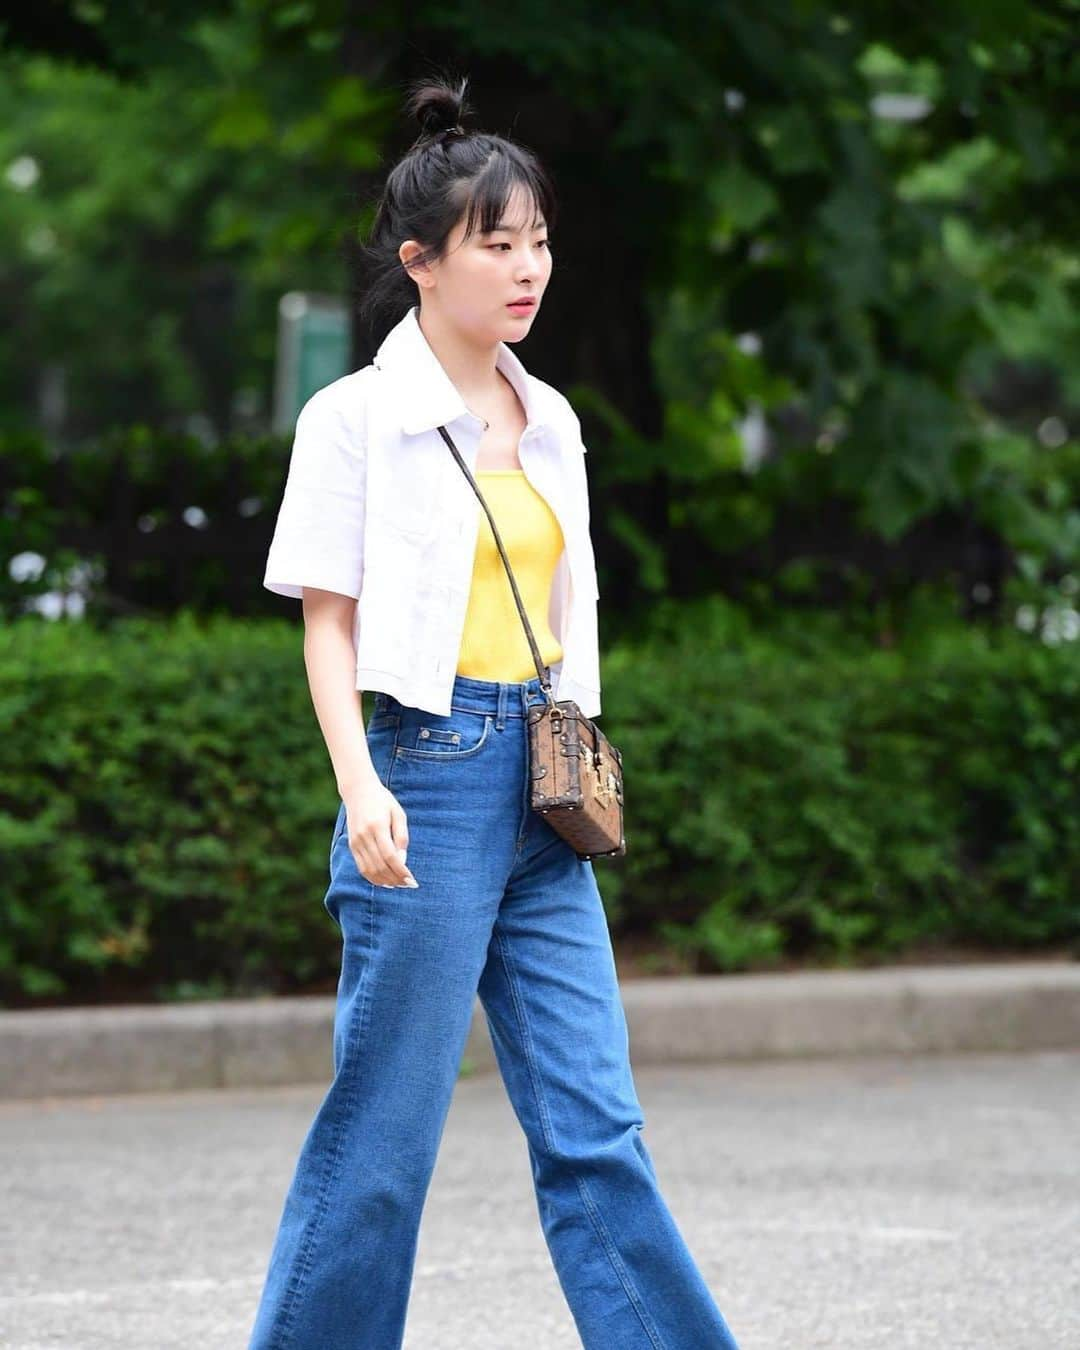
(331, 667)
(378, 832)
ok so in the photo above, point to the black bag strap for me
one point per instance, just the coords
(541, 669)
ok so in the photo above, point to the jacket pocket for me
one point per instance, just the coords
(409, 491)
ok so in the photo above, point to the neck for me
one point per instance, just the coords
(470, 366)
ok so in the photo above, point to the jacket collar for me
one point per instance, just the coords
(428, 398)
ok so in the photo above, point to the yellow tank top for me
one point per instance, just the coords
(493, 644)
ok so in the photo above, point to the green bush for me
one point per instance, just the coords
(166, 809)
(800, 792)
(167, 801)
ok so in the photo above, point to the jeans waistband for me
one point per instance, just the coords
(502, 698)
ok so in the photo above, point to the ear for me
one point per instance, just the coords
(420, 272)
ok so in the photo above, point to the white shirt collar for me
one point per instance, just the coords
(428, 398)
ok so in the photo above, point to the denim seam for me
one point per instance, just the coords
(589, 1203)
(395, 760)
(528, 815)
(287, 1313)
(556, 841)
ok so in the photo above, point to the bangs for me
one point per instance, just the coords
(486, 197)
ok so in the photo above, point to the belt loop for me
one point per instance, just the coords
(532, 693)
(500, 710)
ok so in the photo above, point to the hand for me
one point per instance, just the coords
(378, 835)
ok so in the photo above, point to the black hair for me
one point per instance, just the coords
(449, 171)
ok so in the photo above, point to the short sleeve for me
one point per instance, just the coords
(319, 535)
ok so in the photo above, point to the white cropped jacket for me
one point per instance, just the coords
(376, 507)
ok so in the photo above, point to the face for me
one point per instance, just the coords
(473, 285)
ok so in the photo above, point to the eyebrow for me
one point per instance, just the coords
(502, 225)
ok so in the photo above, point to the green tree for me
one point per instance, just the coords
(818, 266)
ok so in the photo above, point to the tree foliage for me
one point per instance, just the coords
(838, 245)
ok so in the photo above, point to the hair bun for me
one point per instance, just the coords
(438, 105)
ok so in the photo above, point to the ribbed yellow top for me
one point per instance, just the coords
(494, 645)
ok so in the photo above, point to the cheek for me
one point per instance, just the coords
(484, 265)
(470, 273)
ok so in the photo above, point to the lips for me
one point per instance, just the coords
(522, 304)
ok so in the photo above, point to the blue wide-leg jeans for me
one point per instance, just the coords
(505, 909)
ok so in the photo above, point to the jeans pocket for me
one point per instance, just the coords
(429, 737)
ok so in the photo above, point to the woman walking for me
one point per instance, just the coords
(444, 881)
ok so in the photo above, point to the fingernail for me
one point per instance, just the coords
(412, 883)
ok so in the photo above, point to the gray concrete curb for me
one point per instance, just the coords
(270, 1042)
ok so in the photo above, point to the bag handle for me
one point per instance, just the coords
(541, 669)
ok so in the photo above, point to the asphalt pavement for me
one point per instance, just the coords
(856, 1203)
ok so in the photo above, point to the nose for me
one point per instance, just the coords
(531, 265)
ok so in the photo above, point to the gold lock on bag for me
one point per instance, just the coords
(575, 773)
